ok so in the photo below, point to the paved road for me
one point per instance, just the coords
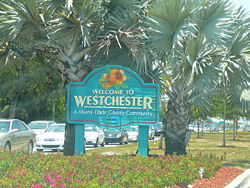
(89, 147)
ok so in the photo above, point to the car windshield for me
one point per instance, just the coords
(37, 125)
(56, 128)
(132, 129)
(113, 131)
(157, 127)
(4, 127)
(90, 128)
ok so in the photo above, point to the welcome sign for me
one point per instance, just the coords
(113, 97)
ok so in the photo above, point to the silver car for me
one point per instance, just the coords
(15, 135)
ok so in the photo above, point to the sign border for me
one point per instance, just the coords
(85, 82)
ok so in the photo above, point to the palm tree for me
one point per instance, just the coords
(77, 36)
(205, 45)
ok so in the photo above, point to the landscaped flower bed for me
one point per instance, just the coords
(39, 170)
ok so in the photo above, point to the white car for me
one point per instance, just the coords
(93, 135)
(15, 135)
(193, 128)
(52, 139)
(40, 126)
(132, 133)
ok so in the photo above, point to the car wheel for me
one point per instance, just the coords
(7, 147)
(30, 147)
(102, 144)
(96, 144)
(106, 143)
(39, 150)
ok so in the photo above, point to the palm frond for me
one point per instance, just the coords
(167, 23)
(236, 66)
(22, 20)
(245, 99)
(213, 19)
(77, 22)
(124, 4)
(122, 31)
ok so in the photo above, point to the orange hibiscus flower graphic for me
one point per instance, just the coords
(114, 77)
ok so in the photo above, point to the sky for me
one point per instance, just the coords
(244, 3)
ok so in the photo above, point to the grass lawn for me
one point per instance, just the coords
(236, 153)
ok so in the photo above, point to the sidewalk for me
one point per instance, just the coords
(241, 181)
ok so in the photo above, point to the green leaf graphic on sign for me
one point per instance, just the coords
(117, 86)
(108, 70)
(125, 86)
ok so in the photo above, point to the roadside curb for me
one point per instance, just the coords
(241, 181)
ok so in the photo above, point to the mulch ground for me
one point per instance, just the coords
(222, 178)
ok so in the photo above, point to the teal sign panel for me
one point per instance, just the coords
(113, 97)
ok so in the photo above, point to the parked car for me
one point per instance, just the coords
(205, 129)
(40, 126)
(93, 135)
(158, 129)
(151, 133)
(132, 133)
(52, 139)
(214, 129)
(116, 136)
(16, 135)
(247, 129)
(193, 128)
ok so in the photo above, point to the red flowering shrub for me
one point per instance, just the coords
(39, 170)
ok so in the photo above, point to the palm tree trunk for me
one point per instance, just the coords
(53, 110)
(176, 131)
(198, 123)
(69, 142)
(202, 128)
(13, 107)
(224, 123)
(161, 142)
(234, 130)
(176, 141)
